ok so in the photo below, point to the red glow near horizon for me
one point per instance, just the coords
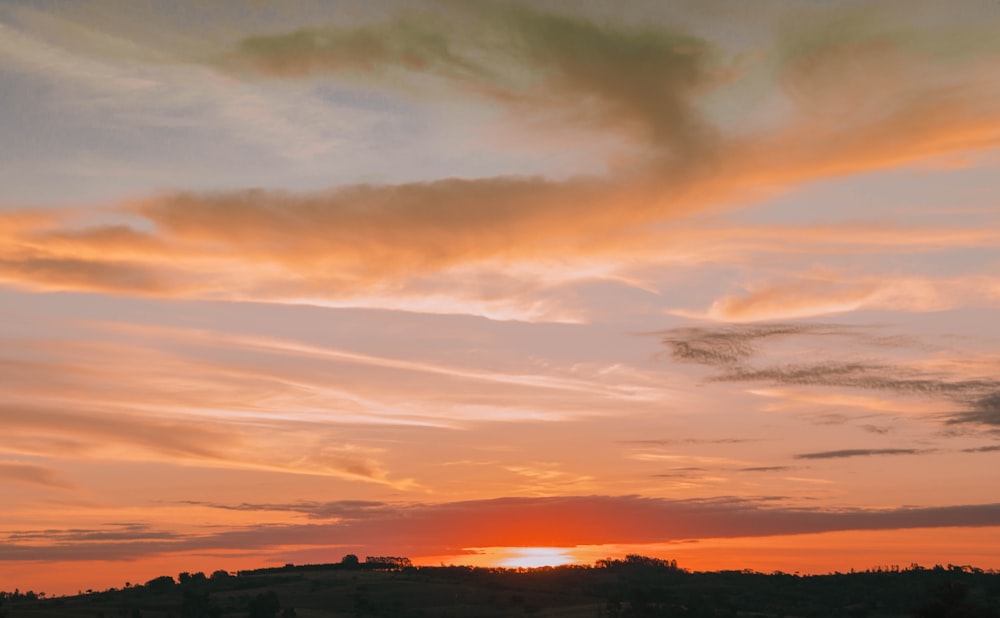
(496, 285)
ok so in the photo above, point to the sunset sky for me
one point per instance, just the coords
(497, 283)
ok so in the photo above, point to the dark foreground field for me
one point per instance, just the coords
(633, 587)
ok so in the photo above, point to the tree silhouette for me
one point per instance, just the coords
(162, 583)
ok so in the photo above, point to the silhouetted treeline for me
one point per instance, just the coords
(350, 562)
(633, 587)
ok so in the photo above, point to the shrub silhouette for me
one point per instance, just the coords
(950, 602)
(198, 605)
(264, 605)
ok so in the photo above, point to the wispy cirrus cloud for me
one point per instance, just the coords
(732, 345)
(111, 532)
(134, 433)
(675, 441)
(766, 469)
(810, 296)
(734, 351)
(337, 509)
(228, 400)
(294, 374)
(983, 449)
(861, 452)
(985, 410)
(33, 474)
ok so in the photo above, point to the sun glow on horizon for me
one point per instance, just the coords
(532, 557)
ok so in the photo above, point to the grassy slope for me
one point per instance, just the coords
(568, 592)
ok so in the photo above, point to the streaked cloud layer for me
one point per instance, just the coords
(566, 521)
(733, 349)
(329, 279)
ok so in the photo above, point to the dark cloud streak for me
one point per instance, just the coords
(766, 469)
(641, 80)
(439, 529)
(732, 351)
(860, 452)
(337, 509)
(983, 449)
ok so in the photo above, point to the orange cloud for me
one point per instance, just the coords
(383, 245)
(813, 296)
(151, 406)
(871, 94)
(791, 301)
(231, 401)
(19, 472)
(168, 437)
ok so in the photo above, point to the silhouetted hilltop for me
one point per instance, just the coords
(634, 587)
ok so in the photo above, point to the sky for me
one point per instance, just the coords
(497, 283)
